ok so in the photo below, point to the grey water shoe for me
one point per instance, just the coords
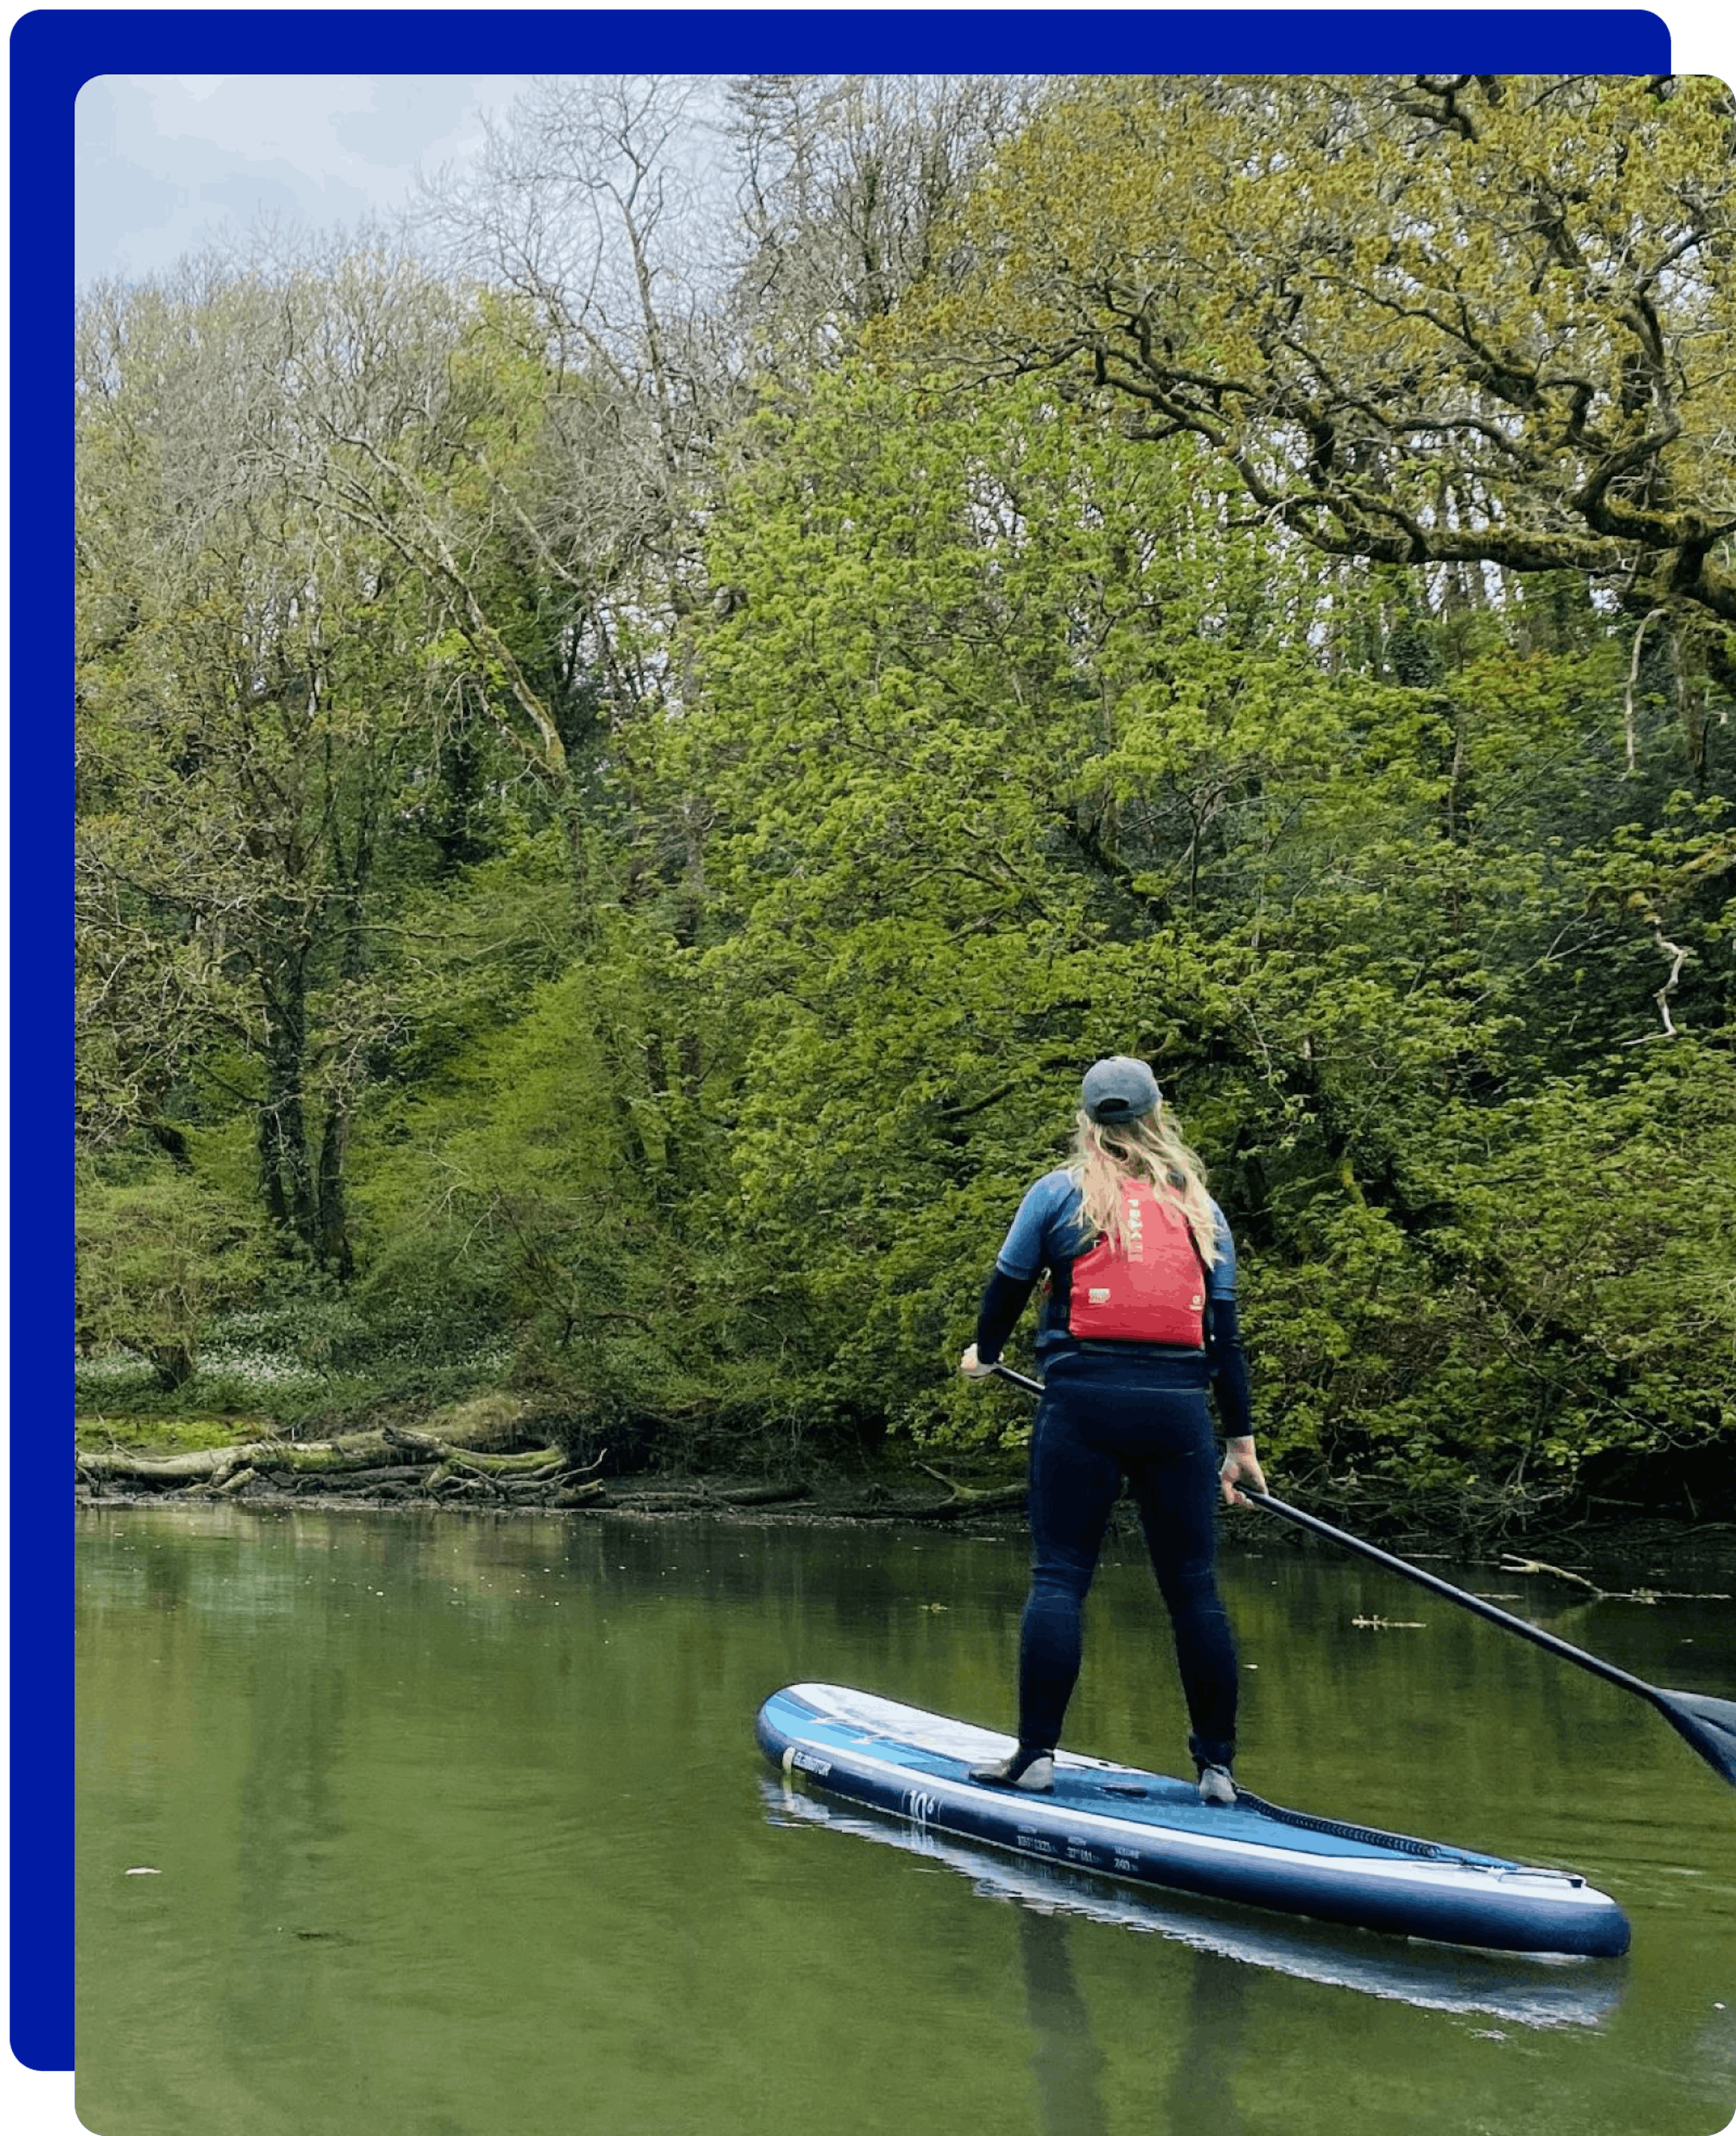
(1032, 1771)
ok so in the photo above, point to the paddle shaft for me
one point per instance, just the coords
(1474, 1603)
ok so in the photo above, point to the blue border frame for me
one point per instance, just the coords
(53, 55)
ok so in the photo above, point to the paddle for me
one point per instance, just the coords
(1708, 1725)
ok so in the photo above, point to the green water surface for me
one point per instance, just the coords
(457, 1827)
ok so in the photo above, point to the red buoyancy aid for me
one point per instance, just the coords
(1153, 1290)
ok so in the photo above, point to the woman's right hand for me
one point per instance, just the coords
(971, 1370)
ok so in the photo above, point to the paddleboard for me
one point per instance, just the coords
(1144, 1828)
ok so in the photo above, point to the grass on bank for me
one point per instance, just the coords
(101, 1432)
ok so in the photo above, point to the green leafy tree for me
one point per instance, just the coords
(1464, 320)
(1017, 747)
(160, 1253)
(966, 740)
(252, 698)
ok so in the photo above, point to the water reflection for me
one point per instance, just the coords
(293, 1830)
(1067, 2064)
(1202, 2091)
(1537, 1993)
(1065, 2061)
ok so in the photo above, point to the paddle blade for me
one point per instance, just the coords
(1709, 1724)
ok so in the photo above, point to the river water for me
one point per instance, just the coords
(457, 1827)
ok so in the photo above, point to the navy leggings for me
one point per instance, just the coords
(1102, 1419)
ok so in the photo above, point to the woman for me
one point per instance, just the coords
(1139, 1317)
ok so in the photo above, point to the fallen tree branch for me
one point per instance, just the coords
(392, 1460)
(580, 1494)
(963, 1494)
(215, 1464)
(1524, 1565)
(423, 1445)
(956, 1508)
(1530, 1566)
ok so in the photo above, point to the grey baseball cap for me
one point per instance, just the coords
(1118, 1089)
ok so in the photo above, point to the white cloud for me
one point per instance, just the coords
(161, 160)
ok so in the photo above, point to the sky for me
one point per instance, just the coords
(164, 161)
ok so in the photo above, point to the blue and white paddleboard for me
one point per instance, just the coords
(1143, 1828)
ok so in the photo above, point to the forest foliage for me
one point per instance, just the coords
(629, 755)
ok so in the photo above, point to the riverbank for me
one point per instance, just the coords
(465, 1469)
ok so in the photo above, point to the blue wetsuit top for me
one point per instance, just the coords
(1046, 1233)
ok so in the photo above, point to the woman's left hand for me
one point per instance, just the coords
(972, 1369)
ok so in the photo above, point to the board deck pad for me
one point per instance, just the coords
(1148, 1828)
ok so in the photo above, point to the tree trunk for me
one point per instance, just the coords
(173, 1364)
(392, 1461)
(289, 1188)
(214, 1463)
(333, 1246)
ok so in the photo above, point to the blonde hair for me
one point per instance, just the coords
(1106, 1152)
